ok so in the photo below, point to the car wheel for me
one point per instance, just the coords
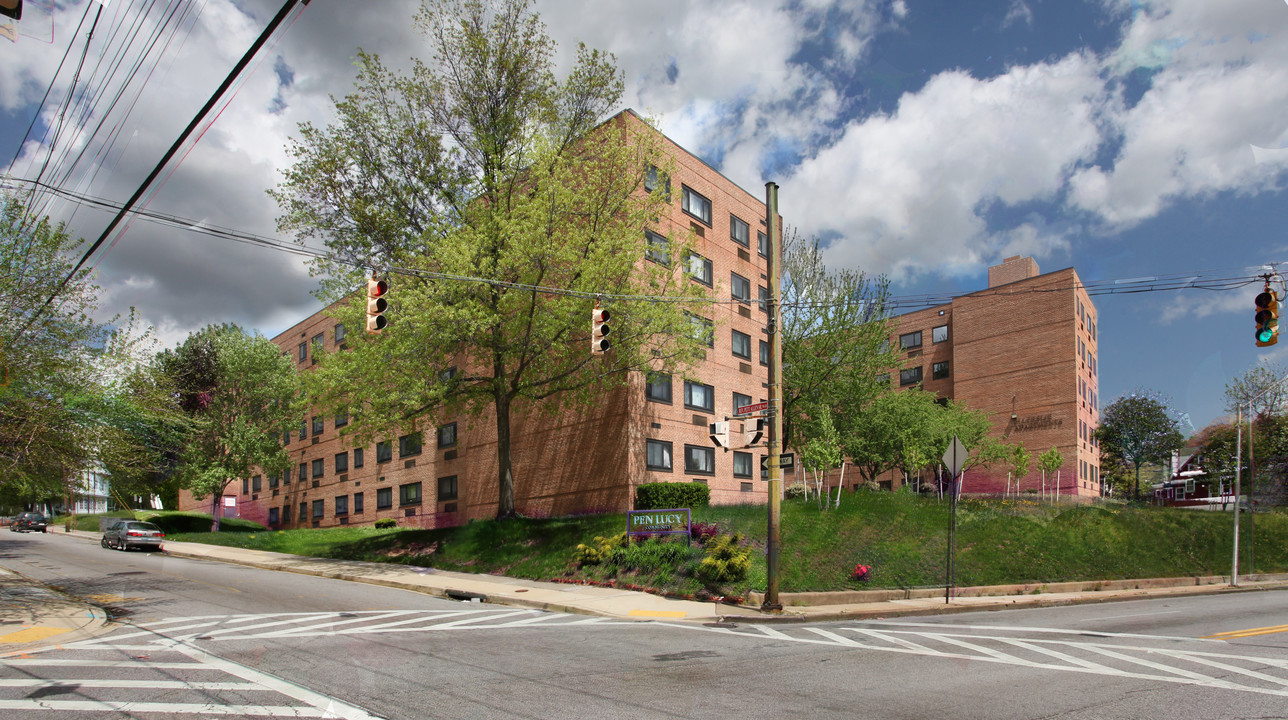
(103, 542)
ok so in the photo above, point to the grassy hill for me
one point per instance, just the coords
(901, 536)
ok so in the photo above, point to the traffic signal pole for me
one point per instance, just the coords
(774, 233)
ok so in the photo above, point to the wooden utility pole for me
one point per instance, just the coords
(775, 403)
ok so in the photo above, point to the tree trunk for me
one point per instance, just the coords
(505, 474)
(1136, 492)
(214, 511)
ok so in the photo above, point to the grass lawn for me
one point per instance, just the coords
(903, 538)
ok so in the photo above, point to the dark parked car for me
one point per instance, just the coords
(132, 533)
(29, 521)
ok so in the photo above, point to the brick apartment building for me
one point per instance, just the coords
(653, 429)
(1024, 352)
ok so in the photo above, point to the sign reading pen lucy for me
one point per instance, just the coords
(658, 522)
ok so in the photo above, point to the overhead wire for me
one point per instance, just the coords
(1219, 279)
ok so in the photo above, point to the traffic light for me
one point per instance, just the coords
(377, 303)
(753, 434)
(11, 8)
(1267, 318)
(599, 331)
(720, 434)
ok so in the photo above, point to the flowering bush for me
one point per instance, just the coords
(862, 573)
(702, 532)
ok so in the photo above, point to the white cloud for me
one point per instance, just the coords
(906, 191)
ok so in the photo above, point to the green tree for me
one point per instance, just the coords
(1262, 385)
(506, 207)
(1018, 463)
(239, 418)
(1050, 462)
(822, 452)
(1140, 429)
(835, 335)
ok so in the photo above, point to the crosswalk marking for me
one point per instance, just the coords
(1109, 654)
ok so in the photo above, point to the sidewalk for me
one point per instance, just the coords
(39, 617)
(33, 616)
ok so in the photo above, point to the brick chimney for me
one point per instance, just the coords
(1012, 269)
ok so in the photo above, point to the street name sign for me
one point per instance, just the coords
(752, 408)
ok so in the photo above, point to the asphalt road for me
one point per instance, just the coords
(201, 639)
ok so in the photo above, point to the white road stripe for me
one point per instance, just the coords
(838, 639)
(52, 662)
(134, 684)
(907, 644)
(134, 708)
(1035, 647)
(1232, 668)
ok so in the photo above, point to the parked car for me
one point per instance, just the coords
(126, 534)
(29, 522)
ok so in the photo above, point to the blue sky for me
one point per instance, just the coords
(922, 139)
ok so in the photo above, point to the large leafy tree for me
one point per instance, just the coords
(835, 334)
(504, 208)
(242, 394)
(1140, 429)
(1263, 386)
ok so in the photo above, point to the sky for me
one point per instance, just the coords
(920, 139)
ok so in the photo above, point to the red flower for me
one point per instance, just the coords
(861, 572)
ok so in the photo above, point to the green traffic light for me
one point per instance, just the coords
(1265, 334)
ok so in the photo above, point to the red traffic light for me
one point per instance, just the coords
(377, 304)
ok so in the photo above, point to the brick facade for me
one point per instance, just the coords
(585, 461)
(1024, 352)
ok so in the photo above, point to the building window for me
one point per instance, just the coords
(699, 268)
(357, 458)
(339, 333)
(304, 352)
(939, 334)
(317, 342)
(659, 248)
(256, 483)
(304, 511)
(274, 481)
(319, 509)
(655, 179)
(704, 330)
(939, 371)
(741, 464)
(317, 425)
(409, 494)
(699, 460)
(304, 472)
(342, 462)
(763, 298)
(762, 243)
(740, 400)
(740, 288)
(698, 396)
(384, 498)
(911, 376)
(447, 488)
(447, 435)
(764, 353)
(341, 505)
(245, 486)
(286, 476)
(658, 455)
(739, 232)
(657, 387)
(696, 205)
(286, 437)
(409, 445)
(286, 514)
(384, 451)
(741, 345)
(273, 516)
(319, 468)
(341, 419)
(304, 429)
(357, 503)
(907, 341)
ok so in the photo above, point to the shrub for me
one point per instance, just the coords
(600, 551)
(703, 532)
(795, 492)
(727, 560)
(385, 523)
(665, 495)
(648, 556)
